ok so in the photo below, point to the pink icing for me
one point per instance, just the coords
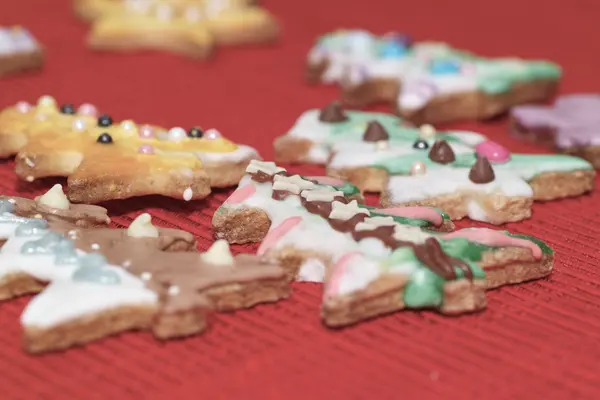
(212, 134)
(87, 109)
(241, 194)
(491, 237)
(425, 213)
(146, 132)
(277, 233)
(333, 285)
(23, 107)
(146, 149)
(326, 180)
(493, 151)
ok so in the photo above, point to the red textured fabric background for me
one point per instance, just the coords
(536, 340)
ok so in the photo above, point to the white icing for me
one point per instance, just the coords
(362, 154)
(16, 41)
(142, 227)
(242, 152)
(268, 167)
(296, 180)
(55, 305)
(445, 180)
(311, 270)
(344, 212)
(218, 254)
(309, 234)
(55, 198)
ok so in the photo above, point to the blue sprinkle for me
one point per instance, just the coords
(444, 67)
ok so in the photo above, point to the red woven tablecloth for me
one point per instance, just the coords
(537, 340)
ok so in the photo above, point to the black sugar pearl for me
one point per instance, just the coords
(67, 109)
(195, 132)
(421, 145)
(105, 121)
(105, 138)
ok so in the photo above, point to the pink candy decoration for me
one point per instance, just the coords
(23, 107)
(277, 233)
(491, 237)
(146, 149)
(425, 213)
(212, 134)
(146, 132)
(87, 109)
(241, 194)
(339, 268)
(493, 151)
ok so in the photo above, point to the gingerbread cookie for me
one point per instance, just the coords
(19, 51)
(569, 126)
(374, 261)
(317, 135)
(106, 281)
(56, 208)
(25, 270)
(427, 82)
(187, 27)
(97, 154)
(24, 122)
(377, 153)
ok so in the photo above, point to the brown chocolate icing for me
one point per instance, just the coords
(261, 177)
(482, 171)
(162, 271)
(81, 215)
(375, 132)
(280, 194)
(384, 233)
(347, 225)
(441, 152)
(429, 253)
(333, 113)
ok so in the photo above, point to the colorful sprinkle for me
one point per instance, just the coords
(87, 109)
(23, 107)
(146, 132)
(494, 152)
(146, 149)
(212, 134)
(176, 134)
(78, 125)
(444, 67)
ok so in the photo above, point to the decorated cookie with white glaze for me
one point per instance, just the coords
(318, 135)
(427, 80)
(19, 51)
(490, 185)
(315, 231)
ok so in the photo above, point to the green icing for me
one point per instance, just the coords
(543, 246)
(499, 75)
(403, 220)
(425, 288)
(525, 165)
(348, 189)
(353, 129)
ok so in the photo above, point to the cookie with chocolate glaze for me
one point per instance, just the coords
(374, 261)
